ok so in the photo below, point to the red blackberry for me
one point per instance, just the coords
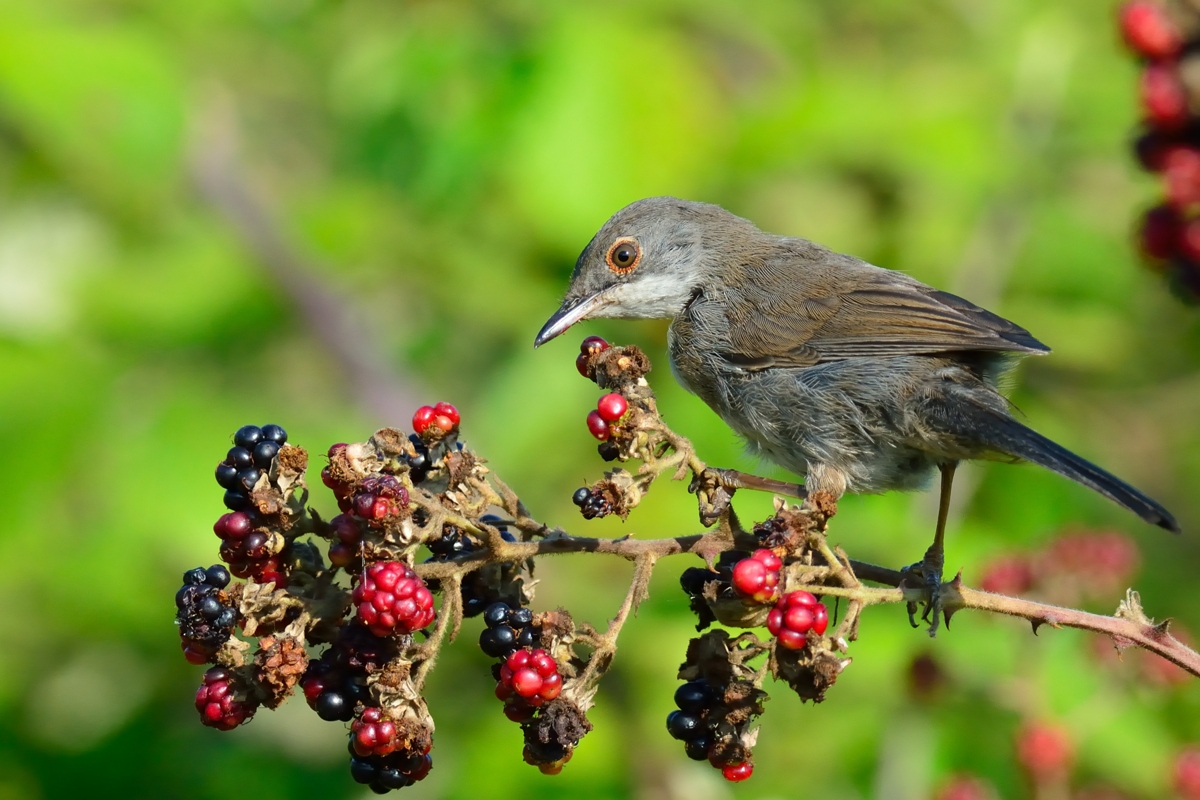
(217, 704)
(531, 675)
(796, 615)
(391, 599)
(757, 577)
(373, 734)
(379, 497)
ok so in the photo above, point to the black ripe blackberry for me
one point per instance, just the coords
(591, 504)
(253, 450)
(608, 450)
(689, 724)
(508, 629)
(204, 613)
(397, 770)
(274, 433)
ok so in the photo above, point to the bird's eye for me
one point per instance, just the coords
(624, 255)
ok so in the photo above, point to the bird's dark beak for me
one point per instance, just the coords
(572, 310)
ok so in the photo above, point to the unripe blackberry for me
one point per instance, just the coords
(796, 615)
(373, 734)
(391, 599)
(757, 577)
(216, 702)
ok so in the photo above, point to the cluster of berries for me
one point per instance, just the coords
(508, 630)
(248, 550)
(528, 678)
(693, 723)
(439, 419)
(204, 614)
(609, 409)
(479, 590)
(591, 504)
(1170, 142)
(391, 599)
(218, 703)
(336, 682)
(253, 450)
(795, 617)
(377, 757)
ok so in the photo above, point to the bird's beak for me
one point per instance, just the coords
(571, 311)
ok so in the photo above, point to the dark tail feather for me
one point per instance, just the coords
(1009, 436)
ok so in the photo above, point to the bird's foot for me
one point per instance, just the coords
(927, 574)
(714, 494)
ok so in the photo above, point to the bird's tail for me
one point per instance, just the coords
(1007, 435)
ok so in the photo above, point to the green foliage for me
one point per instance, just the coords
(442, 164)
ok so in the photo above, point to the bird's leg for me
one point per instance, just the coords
(715, 488)
(732, 479)
(929, 568)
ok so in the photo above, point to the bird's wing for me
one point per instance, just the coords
(878, 314)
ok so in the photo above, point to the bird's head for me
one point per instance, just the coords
(645, 263)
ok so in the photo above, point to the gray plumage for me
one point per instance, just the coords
(860, 378)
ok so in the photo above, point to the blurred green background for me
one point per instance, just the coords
(322, 213)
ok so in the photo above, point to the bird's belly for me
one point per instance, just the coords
(837, 424)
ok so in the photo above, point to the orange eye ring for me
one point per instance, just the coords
(624, 255)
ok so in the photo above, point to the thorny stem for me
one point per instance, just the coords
(425, 654)
(956, 596)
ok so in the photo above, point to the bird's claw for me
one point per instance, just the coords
(927, 574)
(714, 492)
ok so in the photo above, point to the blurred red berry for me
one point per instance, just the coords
(1011, 575)
(1160, 233)
(1181, 169)
(1187, 773)
(611, 407)
(597, 426)
(1148, 30)
(1044, 751)
(1099, 563)
(737, 772)
(1164, 97)
(966, 787)
(1189, 240)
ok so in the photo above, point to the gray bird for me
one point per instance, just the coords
(861, 379)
